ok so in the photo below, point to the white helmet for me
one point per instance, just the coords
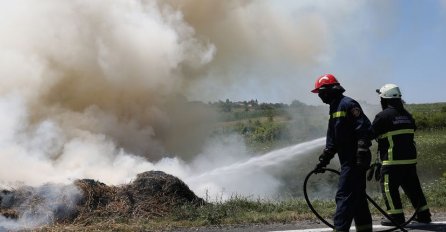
(389, 91)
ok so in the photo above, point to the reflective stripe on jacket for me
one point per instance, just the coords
(395, 130)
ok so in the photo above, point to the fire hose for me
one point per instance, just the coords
(397, 226)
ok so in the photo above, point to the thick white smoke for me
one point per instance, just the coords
(42, 206)
(97, 89)
(94, 89)
(84, 84)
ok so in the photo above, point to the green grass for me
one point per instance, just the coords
(427, 108)
(431, 146)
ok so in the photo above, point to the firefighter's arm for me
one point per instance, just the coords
(330, 144)
(329, 151)
(363, 133)
(363, 155)
(324, 159)
(361, 124)
(377, 126)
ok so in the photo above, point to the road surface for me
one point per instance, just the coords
(439, 224)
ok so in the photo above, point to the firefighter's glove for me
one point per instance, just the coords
(363, 155)
(374, 171)
(324, 160)
(378, 171)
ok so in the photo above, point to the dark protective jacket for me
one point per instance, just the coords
(347, 125)
(394, 129)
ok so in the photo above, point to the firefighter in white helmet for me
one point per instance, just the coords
(394, 130)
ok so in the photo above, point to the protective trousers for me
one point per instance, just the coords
(351, 201)
(404, 176)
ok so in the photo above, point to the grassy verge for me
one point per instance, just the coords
(431, 147)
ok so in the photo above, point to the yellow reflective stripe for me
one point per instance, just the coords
(367, 227)
(389, 135)
(338, 114)
(390, 150)
(396, 132)
(395, 211)
(387, 191)
(423, 208)
(399, 162)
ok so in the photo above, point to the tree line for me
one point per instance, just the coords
(429, 116)
(275, 124)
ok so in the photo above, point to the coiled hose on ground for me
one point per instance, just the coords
(397, 226)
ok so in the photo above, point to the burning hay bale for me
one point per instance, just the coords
(163, 188)
(6, 204)
(152, 194)
(96, 199)
(33, 206)
(155, 193)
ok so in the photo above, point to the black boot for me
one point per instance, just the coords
(397, 218)
(423, 217)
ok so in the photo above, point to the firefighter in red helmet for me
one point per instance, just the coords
(348, 135)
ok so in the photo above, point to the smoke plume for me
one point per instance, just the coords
(89, 88)
(102, 89)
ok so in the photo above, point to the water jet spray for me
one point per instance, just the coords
(269, 159)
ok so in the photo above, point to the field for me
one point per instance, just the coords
(431, 144)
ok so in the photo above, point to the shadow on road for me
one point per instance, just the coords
(439, 226)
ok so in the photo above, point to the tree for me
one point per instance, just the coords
(297, 104)
(227, 106)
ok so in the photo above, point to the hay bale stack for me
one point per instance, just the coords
(162, 187)
(97, 199)
(8, 203)
(156, 193)
(47, 203)
(11, 202)
(152, 194)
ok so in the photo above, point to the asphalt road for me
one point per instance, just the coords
(435, 226)
(439, 224)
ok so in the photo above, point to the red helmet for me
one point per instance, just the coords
(324, 80)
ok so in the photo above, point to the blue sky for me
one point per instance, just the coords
(364, 43)
(416, 49)
(401, 42)
(412, 49)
